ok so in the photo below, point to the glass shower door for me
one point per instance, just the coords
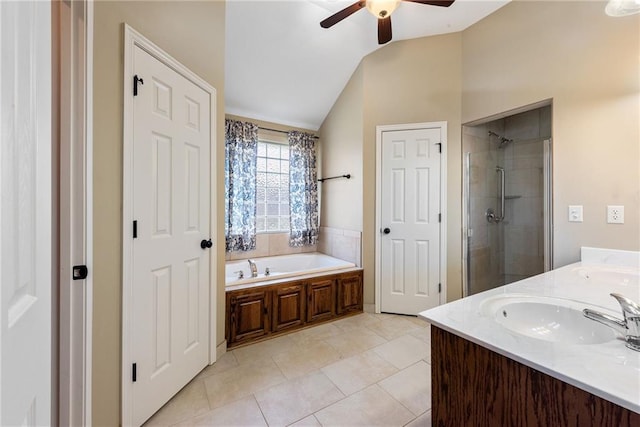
(484, 200)
(507, 220)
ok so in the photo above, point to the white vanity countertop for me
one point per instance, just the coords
(609, 370)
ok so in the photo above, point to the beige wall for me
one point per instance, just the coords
(341, 137)
(587, 63)
(406, 82)
(193, 33)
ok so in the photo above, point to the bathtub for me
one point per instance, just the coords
(283, 266)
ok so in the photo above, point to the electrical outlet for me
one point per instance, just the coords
(575, 213)
(615, 214)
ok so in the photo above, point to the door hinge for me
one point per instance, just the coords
(79, 272)
(136, 80)
(439, 287)
(265, 310)
(439, 217)
(134, 372)
(439, 144)
(135, 229)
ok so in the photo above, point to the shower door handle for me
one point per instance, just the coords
(502, 185)
(387, 230)
(490, 214)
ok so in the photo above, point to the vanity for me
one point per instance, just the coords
(524, 354)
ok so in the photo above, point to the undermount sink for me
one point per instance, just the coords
(548, 319)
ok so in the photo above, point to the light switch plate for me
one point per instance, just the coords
(575, 213)
(615, 214)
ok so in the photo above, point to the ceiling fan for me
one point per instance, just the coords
(382, 10)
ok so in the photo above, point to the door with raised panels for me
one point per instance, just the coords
(410, 223)
(170, 287)
(25, 214)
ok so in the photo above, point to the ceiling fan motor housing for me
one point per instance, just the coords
(382, 8)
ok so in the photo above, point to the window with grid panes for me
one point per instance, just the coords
(272, 188)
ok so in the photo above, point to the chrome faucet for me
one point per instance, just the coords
(629, 326)
(254, 268)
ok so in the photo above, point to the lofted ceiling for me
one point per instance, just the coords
(282, 67)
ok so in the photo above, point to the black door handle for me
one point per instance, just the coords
(206, 244)
(387, 230)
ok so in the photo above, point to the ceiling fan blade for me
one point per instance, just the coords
(344, 13)
(384, 30)
(442, 3)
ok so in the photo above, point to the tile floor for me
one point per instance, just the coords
(369, 369)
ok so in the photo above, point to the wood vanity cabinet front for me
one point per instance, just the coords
(321, 296)
(478, 387)
(248, 315)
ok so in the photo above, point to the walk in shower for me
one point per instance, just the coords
(507, 199)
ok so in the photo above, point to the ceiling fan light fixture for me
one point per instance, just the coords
(382, 8)
(622, 7)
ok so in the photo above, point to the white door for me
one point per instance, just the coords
(410, 220)
(170, 284)
(25, 213)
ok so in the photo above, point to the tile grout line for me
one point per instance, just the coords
(396, 400)
(313, 413)
(385, 390)
(260, 409)
(418, 416)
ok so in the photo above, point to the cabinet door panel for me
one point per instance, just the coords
(350, 293)
(249, 315)
(321, 300)
(288, 307)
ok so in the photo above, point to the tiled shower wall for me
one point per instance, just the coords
(513, 249)
(523, 161)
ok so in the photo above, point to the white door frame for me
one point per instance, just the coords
(74, 93)
(133, 39)
(443, 203)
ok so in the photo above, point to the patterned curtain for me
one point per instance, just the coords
(303, 189)
(241, 149)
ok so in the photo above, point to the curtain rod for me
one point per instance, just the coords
(348, 176)
(282, 131)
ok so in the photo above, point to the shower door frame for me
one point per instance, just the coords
(547, 206)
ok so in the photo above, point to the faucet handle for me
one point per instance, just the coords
(628, 306)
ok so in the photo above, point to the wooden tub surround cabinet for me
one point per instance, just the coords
(474, 386)
(264, 311)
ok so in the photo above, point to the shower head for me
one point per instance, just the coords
(503, 141)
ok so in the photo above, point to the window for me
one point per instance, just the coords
(272, 188)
